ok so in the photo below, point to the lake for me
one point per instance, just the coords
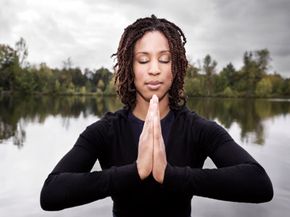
(35, 132)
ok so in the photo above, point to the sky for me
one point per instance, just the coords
(88, 31)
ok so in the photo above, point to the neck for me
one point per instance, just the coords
(141, 108)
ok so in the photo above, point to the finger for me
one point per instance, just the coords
(155, 98)
(156, 130)
(149, 115)
(155, 105)
(157, 123)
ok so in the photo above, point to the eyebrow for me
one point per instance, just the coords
(144, 52)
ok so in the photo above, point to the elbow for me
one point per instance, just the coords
(264, 187)
(265, 195)
(47, 203)
(44, 203)
(49, 200)
(267, 191)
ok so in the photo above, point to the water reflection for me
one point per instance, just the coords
(249, 114)
(17, 112)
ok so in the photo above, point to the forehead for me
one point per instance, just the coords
(153, 41)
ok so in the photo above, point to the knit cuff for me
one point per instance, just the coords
(175, 179)
(125, 178)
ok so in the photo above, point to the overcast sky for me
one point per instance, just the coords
(88, 31)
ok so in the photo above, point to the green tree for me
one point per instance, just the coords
(111, 88)
(263, 59)
(286, 87)
(9, 67)
(229, 74)
(228, 92)
(264, 87)
(277, 84)
(209, 66)
(67, 64)
(192, 71)
(255, 68)
(193, 86)
(21, 51)
(102, 74)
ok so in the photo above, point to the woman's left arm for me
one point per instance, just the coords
(238, 176)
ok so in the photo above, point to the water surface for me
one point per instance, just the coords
(35, 132)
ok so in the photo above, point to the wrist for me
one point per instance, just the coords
(142, 172)
(160, 173)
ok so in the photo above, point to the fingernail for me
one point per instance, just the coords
(155, 98)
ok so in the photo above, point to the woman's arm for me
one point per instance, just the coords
(71, 183)
(238, 177)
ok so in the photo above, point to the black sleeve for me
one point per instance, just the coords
(72, 183)
(238, 177)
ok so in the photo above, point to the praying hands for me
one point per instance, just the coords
(151, 151)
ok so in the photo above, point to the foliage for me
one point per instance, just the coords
(251, 80)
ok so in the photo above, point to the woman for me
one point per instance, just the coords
(152, 151)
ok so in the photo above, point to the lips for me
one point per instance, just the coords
(153, 85)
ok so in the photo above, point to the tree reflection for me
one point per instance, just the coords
(17, 112)
(249, 114)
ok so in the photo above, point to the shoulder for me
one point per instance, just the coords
(198, 124)
(109, 118)
(103, 126)
(191, 117)
(208, 133)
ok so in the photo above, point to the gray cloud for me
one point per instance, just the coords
(9, 17)
(89, 31)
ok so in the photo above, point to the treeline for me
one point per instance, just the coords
(18, 76)
(251, 80)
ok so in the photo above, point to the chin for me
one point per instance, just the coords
(160, 96)
(148, 95)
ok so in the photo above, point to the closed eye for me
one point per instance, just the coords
(164, 61)
(143, 62)
(165, 58)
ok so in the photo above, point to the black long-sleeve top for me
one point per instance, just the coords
(238, 177)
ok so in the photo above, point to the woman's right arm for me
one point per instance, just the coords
(71, 183)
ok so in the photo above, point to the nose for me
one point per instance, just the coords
(154, 68)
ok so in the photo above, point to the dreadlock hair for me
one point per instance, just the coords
(124, 75)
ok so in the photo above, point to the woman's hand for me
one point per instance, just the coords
(151, 150)
(145, 146)
(159, 153)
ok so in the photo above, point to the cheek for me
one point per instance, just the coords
(138, 71)
(169, 76)
(138, 78)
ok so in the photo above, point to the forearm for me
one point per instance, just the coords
(63, 190)
(246, 182)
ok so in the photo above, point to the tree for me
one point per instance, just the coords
(78, 78)
(255, 65)
(67, 64)
(46, 79)
(263, 59)
(209, 66)
(104, 75)
(21, 51)
(264, 87)
(111, 88)
(230, 74)
(192, 71)
(277, 84)
(7, 56)
(193, 86)
(9, 67)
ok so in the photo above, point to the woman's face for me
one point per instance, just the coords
(152, 66)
